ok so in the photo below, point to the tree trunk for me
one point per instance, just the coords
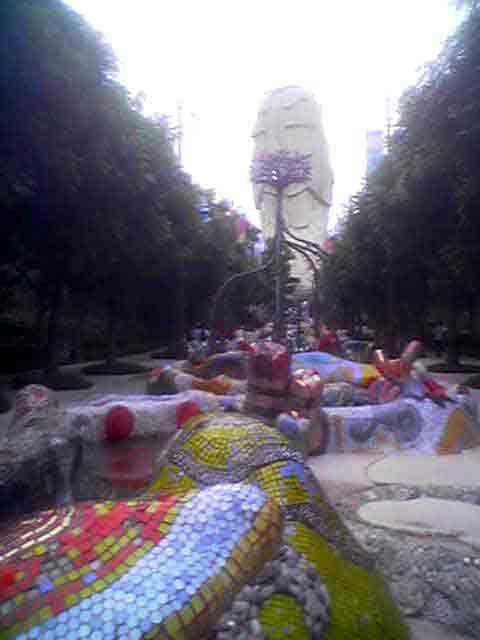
(179, 343)
(76, 338)
(316, 300)
(51, 363)
(452, 337)
(391, 328)
(278, 325)
(40, 324)
(111, 327)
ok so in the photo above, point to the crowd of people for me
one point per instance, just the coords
(302, 333)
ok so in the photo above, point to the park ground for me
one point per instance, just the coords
(418, 515)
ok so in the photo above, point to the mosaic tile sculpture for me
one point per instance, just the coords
(171, 380)
(232, 363)
(233, 540)
(333, 369)
(45, 443)
(143, 415)
(422, 426)
(394, 405)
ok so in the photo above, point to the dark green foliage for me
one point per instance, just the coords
(410, 243)
(101, 240)
(56, 380)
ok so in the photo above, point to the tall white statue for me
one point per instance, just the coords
(290, 119)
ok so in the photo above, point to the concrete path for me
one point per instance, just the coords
(333, 469)
(444, 517)
(102, 385)
(461, 470)
(425, 630)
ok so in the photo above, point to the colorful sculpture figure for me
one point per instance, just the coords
(227, 537)
(233, 540)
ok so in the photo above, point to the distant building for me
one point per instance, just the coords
(375, 149)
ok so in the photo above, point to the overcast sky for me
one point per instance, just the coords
(218, 58)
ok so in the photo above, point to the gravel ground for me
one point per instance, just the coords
(435, 579)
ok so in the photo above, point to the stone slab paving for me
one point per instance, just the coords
(424, 630)
(433, 563)
(434, 577)
(419, 470)
(336, 471)
(445, 517)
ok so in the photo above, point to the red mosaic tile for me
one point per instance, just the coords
(35, 567)
(74, 587)
(143, 516)
(7, 576)
(154, 536)
(90, 556)
(67, 539)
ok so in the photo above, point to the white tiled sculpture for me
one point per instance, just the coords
(290, 118)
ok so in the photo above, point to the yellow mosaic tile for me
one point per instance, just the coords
(280, 612)
(132, 533)
(197, 604)
(20, 599)
(99, 585)
(40, 550)
(71, 599)
(173, 624)
(207, 594)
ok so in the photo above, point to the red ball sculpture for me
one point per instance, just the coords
(119, 424)
(186, 411)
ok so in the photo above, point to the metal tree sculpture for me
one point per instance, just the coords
(314, 254)
(279, 170)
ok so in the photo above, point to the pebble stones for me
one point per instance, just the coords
(290, 574)
(430, 576)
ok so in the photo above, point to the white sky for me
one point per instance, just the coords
(219, 57)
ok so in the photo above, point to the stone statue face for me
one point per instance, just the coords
(290, 118)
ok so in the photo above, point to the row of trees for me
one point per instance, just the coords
(409, 244)
(98, 221)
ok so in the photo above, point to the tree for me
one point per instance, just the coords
(280, 170)
(91, 186)
(55, 71)
(409, 243)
